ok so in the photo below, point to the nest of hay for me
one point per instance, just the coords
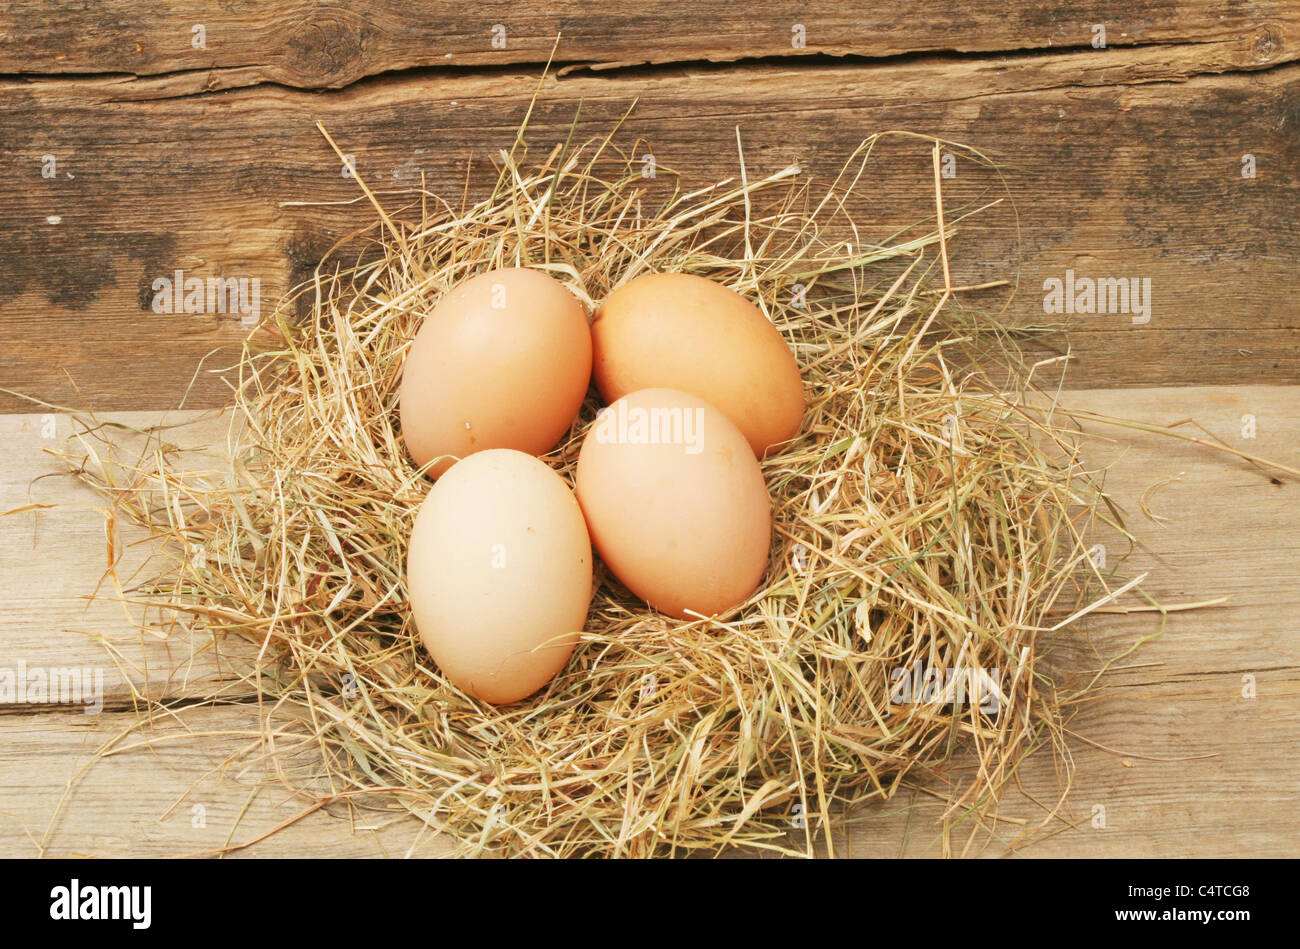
(930, 525)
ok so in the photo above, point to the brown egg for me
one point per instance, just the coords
(499, 574)
(679, 331)
(675, 502)
(503, 361)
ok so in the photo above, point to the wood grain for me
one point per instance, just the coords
(330, 44)
(1110, 170)
(73, 786)
(1199, 753)
(62, 609)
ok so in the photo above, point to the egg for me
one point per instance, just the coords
(680, 331)
(675, 502)
(503, 361)
(499, 574)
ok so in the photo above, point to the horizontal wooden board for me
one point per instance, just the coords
(312, 44)
(110, 786)
(1110, 169)
(62, 608)
(1181, 745)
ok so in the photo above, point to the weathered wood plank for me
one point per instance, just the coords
(55, 556)
(163, 790)
(1111, 172)
(322, 44)
(1233, 778)
(1235, 785)
(1222, 783)
(1228, 530)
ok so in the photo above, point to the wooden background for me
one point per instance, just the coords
(1124, 161)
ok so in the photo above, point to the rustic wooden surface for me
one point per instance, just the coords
(1182, 763)
(328, 45)
(1122, 161)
